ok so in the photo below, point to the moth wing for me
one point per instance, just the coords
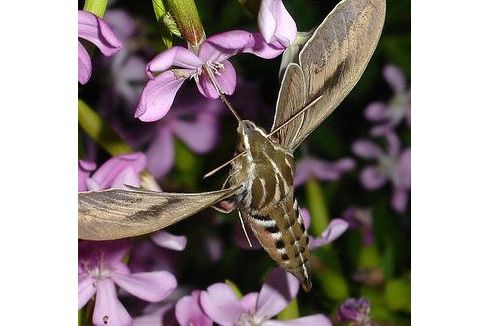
(291, 98)
(332, 61)
(114, 213)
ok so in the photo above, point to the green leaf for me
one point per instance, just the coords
(333, 285)
(290, 312)
(397, 295)
(100, 131)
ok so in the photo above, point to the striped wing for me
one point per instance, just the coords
(331, 63)
(114, 214)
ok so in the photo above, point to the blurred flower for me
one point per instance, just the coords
(356, 311)
(169, 241)
(118, 171)
(334, 230)
(194, 121)
(397, 109)
(360, 218)
(84, 170)
(393, 165)
(95, 30)
(222, 305)
(311, 167)
(178, 64)
(275, 23)
(189, 312)
(100, 267)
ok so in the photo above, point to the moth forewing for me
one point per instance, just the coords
(115, 213)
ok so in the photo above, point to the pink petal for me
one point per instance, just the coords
(84, 65)
(376, 111)
(275, 23)
(95, 30)
(84, 170)
(371, 178)
(108, 175)
(112, 252)
(226, 82)
(86, 289)
(345, 164)
(221, 304)
(249, 302)
(367, 149)
(306, 217)
(158, 96)
(108, 309)
(314, 320)
(395, 78)
(161, 153)
(162, 316)
(334, 230)
(267, 22)
(399, 200)
(222, 46)
(121, 22)
(129, 177)
(200, 135)
(404, 170)
(189, 312)
(383, 129)
(279, 289)
(263, 49)
(393, 144)
(176, 56)
(167, 240)
(151, 286)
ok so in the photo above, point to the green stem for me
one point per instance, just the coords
(188, 21)
(96, 7)
(160, 13)
(100, 131)
(318, 207)
(290, 312)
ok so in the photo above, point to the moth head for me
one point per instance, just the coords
(251, 136)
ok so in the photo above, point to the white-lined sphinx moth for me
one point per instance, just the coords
(260, 184)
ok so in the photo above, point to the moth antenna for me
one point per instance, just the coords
(307, 107)
(208, 174)
(220, 93)
(244, 229)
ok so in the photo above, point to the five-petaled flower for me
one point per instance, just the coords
(398, 108)
(393, 165)
(222, 305)
(95, 30)
(100, 268)
(209, 65)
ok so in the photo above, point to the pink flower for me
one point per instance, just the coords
(100, 268)
(311, 167)
(194, 121)
(222, 305)
(392, 165)
(95, 30)
(275, 23)
(397, 109)
(178, 64)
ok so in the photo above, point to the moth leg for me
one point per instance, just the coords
(244, 229)
(225, 206)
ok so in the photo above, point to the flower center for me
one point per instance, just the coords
(97, 270)
(248, 319)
